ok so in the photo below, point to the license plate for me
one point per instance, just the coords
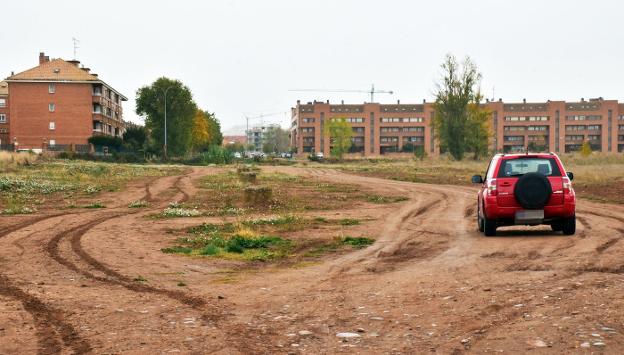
(530, 215)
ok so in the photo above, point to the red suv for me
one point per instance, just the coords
(526, 189)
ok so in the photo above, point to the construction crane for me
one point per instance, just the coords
(262, 116)
(372, 91)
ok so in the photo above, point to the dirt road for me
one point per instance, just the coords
(96, 281)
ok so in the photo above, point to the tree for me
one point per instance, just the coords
(105, 141)
(586, 149)
(454, 94)
(214, 130)
(181, 109)
(235, 147)
(339, 132)
(135, 137)
(478, 128)
(276, 140)
(200, 136)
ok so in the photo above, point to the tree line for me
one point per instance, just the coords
(190, 130)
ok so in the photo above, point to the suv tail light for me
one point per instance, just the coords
(491, 188)
(567, 185)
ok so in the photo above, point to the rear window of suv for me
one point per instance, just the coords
(521, 166)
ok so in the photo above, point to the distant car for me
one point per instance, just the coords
(238, 155)
(319, 155)
(286, 155)
(526, 189)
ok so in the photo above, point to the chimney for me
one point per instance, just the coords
(298, 102)
(398, 102)
(487, 100)
(43, 58)
(342, 102)
(524, 101)
(327, 101)
(424, 101)
(500, 99)
(74, 62)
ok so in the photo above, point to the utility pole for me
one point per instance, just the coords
(165, 145)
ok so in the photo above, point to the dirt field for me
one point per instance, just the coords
(82, 281)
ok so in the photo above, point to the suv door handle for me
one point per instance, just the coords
(506, 184)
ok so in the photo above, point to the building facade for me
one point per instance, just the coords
(378, 129)
(60, 103)
(256, 135)
(4, 114)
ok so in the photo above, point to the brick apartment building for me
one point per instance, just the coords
(4, 114)
(556, 126)
(58, 104)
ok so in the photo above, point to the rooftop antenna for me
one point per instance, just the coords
(76, 45)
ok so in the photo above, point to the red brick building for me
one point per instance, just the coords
(556, 126)
(4, 114)
(60, 104)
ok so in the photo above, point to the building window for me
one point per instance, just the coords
(51, 107)
(526, 118)
(308, 120)
(52, 126)
(52, 142)
(2, 102)
(2, 118)
(51, 88)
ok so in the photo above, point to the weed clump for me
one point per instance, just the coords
(138, 204)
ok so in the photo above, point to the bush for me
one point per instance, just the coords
(106, 141)
(213, 155)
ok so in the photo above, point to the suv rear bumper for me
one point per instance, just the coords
(550, 212)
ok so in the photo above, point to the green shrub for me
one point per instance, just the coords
(213, 155)
(358, 242)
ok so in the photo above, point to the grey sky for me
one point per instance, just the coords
(243, 56)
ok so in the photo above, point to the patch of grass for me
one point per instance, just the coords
(181, 284)
(385, 199)
(138, 204)
(358, 242)
(177, 250)
(180, 212)
(29, 177)
(320, 219)
(19, 210)
(226, 242)
(96, 204)
(349, 222)
(140, 279)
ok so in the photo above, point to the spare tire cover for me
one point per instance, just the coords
(532, 191)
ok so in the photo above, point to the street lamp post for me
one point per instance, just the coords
(165, 94)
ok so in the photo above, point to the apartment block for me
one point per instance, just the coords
(60, 103)
(256, 135)
(4, 114)
(379, 129)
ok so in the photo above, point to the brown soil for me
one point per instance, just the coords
(96, 281)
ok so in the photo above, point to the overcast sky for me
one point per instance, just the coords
(242, 57)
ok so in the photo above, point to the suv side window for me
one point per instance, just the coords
(490, 170)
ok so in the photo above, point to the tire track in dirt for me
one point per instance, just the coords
(48, 322)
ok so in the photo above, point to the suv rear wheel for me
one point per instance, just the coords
(479, 221)
(489, 227)
(569, 225)
(557, 226)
